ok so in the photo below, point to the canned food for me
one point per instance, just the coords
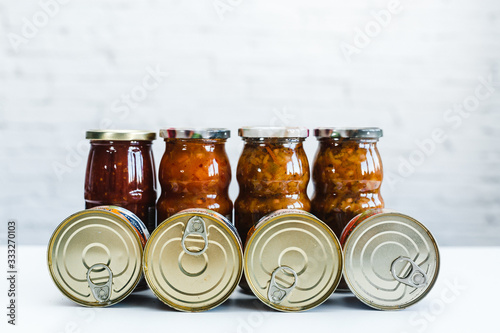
(293, 261)
(193, 260)
(95, 255)
(391, 260)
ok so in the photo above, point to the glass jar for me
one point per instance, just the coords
(272, 173)
(347, 174)
(194, 171)
(121, 172)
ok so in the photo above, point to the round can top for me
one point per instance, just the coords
(95, 258)
(391, 260)
(293, 261)
(120, 135)
(348, 132)
(193, 261)
(273, 132)
(195, 133)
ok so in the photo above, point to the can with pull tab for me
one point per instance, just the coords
(95, 255)
(391, 260)
(193, 260)
(293, 261)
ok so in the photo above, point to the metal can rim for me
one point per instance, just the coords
(227, 224)
(368, 219)
(50, 246)
(270, 218)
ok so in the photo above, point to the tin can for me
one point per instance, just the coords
(193, 260)
(391, 260)
(293, 261)
(95, 255)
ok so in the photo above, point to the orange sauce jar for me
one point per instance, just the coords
(347, 175)
(272, 173)
(194, 171)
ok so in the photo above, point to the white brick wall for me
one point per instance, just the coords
(266, 62)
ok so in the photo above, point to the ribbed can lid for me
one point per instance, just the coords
(193, 261)
(293, 261)
(391, 260)
(95, 258)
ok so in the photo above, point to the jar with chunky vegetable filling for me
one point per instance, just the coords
(121, 172)
(194, 171)
(347, 175)
(272, 173)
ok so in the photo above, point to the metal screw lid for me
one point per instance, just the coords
(273, 132)
(348, 132)
(120, 135)
(195, 133)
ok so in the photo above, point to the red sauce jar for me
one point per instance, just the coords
(194, 171)
(121, 172)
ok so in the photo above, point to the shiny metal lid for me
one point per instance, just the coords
(348, 132)
(94, 258)
(193, 260)
(120, 135)
(195, 133)
(293, 261)
(391, 260)
(273, 132)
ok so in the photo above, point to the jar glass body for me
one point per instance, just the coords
(194, 173)
(272, 173)
(347, 175)
(122, 173)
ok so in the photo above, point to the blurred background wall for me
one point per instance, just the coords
(427, 72)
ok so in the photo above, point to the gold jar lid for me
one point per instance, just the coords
(94, 258)
(391, 260)
(193, 260)
(293, 261)
(120, 135)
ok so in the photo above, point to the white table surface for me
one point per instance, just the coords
(464, 299)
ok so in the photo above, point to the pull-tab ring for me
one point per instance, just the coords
(416, 278)
(101, 292)
(276, 294)
(195, 226)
